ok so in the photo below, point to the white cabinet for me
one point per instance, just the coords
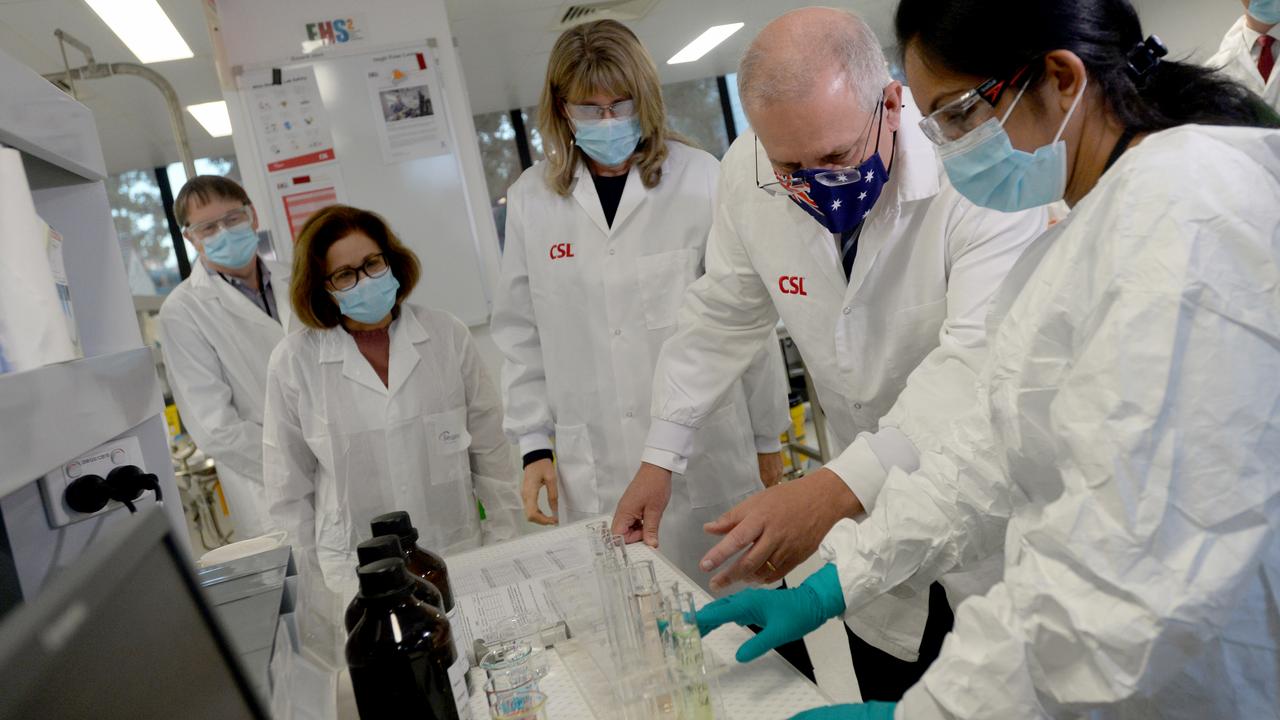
(53, 414)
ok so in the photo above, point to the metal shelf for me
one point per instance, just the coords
(56, 134)
(51, 414)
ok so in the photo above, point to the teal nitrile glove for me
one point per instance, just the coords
(866, 711)
(785, 615)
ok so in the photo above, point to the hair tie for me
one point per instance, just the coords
(1145, 57)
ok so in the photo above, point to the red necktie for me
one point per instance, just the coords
(1267, 60)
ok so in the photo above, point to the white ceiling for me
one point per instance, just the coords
(505, 43)
(504, 46)
(131, 115)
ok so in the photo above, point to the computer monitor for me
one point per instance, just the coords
(125, 634)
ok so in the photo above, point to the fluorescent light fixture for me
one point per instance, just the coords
(144, 27)
(213, 117)
(704, 43)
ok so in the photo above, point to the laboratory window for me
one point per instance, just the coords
(143, 232)
(694, 110)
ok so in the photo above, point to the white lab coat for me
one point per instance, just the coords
(216, 343)
(1124, 459)
(340, 448)
(928, 263)
(581, 335)
(1235, 58)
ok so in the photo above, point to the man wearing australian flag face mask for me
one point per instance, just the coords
(217, 330)
(836, 216)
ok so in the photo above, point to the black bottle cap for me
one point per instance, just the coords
(383, 546)
(385, 577)
(395, 523)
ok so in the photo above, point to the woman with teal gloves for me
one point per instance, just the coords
(1123, 460)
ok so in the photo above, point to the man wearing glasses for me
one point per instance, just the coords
(838, 219)
(217, 330)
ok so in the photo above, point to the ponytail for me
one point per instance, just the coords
(1143, 91)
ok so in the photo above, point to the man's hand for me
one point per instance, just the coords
(783, 525)
(641, 507)
(536, 475)
(770, 468)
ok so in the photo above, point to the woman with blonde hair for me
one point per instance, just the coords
(378, 405)
(603, 237)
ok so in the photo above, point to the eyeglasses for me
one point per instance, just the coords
(620, 109)
(788, 185)
(373, 266)
(955, 119)
(205, 230)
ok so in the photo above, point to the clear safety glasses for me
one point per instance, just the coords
(955, 119)
(620, 109)
(205, 230)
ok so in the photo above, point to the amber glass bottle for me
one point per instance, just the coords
(401, 653)
(380, 548)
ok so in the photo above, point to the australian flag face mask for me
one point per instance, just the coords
(838, 199)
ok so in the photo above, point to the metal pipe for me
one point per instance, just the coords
(93, 70)
(66, 65)
(73, 42)
(175, 109)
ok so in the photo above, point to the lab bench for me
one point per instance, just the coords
(766, 689)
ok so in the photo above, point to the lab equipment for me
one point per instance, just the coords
(401, 653)
(425, 564)
(101, 640)
(380, 547)
(644, 641)
(531, 706)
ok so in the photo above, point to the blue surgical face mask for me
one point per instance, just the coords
(1265, 11)
(369, 300)
(986, 168)
(232, 247)
(609, 141)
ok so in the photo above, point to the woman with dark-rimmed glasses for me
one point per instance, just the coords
(378, 405)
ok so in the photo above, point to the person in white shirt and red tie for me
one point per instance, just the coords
(1249, 51)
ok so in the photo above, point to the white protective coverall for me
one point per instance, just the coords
(1236, 59)
(928, 264)
(581, 314)
(340, 448)
(216, 344)
(1125, 459)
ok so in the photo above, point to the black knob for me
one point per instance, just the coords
(87, 494)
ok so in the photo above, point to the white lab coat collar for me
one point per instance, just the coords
(584, 191)
(406, 331)
(211, 288)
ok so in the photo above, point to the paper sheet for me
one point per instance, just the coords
(564, 555)
(408, 115)
(478, 612)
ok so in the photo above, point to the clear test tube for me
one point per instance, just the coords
(696, 697)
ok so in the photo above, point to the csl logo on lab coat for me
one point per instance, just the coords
(562, 250)
(792, 285)
(449, 438)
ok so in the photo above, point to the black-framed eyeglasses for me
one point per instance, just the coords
(973, 108)
(373, 266)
